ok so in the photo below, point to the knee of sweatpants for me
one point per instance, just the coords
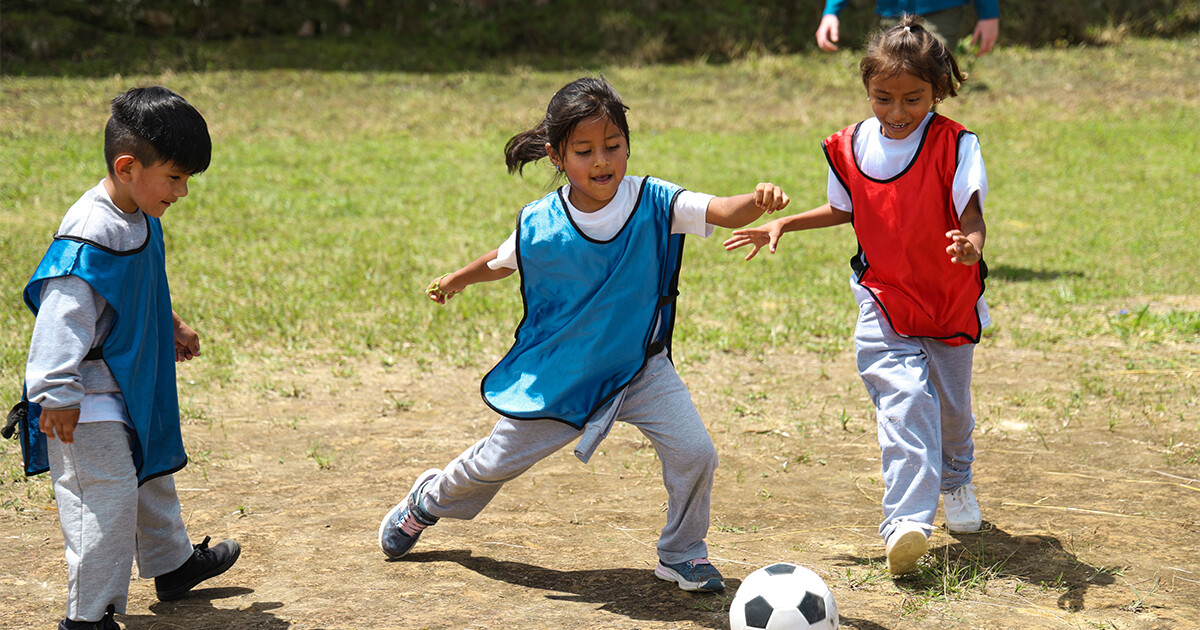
(707, 457)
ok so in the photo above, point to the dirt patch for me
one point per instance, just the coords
(1087, 477)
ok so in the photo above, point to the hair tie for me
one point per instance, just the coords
(907, 29)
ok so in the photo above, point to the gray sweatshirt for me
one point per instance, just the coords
(73, 317)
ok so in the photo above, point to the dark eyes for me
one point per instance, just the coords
(589, 151)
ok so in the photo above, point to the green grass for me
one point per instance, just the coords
(334, 197)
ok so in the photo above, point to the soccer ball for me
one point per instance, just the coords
(783, 596)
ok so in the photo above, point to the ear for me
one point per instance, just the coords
(555, 158)
(123, 167)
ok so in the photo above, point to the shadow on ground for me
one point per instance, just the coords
(1039, 560)
(197, 611)
(1021, 274)
(633, 593)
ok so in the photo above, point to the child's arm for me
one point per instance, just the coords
(769, 233)
(966, 244)
(476, 271)
(63, 333)
(187, 342)
(741, 210)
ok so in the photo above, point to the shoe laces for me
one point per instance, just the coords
(410, 524)
(201, 552)
(960, 493)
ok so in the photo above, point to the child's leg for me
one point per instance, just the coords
(162, 539)
(950, 372)
(895, 370)
(471, 480)
(660, 406)
(95, 487)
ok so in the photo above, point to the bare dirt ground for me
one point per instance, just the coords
(1087, 475)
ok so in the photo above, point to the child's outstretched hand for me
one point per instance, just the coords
(755, 237)
(438, 292)
(770, 197)
(961, 250)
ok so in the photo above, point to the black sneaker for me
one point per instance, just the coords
(107, 623)
(205, 563)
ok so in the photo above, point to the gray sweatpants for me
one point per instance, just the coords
(921, 389)
(656, 402)
(107, 519)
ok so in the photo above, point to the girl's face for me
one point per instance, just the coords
(594, 158)
(900, 102)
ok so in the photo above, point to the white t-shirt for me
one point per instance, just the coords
(691, 209)
(881, 157)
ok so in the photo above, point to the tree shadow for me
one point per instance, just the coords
(993, 553)
(633, 593)
(197, 611)
(1010, 273)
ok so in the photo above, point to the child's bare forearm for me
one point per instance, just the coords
(974, 229)
(733, 212)
(819, 217)
(473, 273)
(741, 210)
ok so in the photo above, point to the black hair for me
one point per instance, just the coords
(910, 47)
(577, 101)
(154, 124)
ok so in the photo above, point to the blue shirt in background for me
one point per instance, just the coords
(984, 9)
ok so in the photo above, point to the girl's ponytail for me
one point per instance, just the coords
(525, 147)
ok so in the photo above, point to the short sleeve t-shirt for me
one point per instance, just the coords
(691, 209)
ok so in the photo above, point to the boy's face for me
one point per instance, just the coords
(155, 188)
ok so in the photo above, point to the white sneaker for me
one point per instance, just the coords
(905, 546)
(962, 510)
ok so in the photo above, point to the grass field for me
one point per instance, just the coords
(335, 196)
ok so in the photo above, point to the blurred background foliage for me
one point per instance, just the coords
(101, 36)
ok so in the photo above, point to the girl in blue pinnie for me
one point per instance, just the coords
(599, 264)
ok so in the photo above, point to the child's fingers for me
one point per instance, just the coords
(739, 239)
(57, 431)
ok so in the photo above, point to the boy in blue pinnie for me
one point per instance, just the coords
(102, 411)
(913, 184)
(599, 264)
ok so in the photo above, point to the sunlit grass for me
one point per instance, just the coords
(335, 196)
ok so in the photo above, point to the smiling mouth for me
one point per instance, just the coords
(602, 179)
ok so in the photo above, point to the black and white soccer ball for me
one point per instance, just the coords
(783, 596)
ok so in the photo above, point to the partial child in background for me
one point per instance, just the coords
(599, 261)
(914, 184)
(102, 407)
